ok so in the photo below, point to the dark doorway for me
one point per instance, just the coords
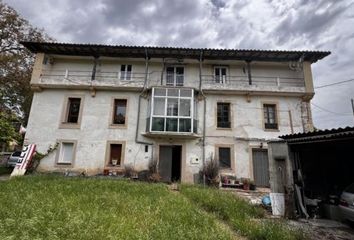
(170, 163)
(260, 167)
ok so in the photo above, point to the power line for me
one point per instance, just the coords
(331, 84)
(329, 111)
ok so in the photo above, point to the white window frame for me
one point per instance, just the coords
(175, 75)
(178, 117)
(125, 75)
(60, 153)
(222, 80)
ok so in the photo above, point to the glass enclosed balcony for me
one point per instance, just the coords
(172, 111)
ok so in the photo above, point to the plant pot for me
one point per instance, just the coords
(252, 187)
(114, 162)
(246, 187)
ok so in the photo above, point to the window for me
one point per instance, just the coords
(173, 110)
(66, 153)
(73, 110)
(223, 115)
(224, 157)
(125, 72)
(220, 74)
(115, 154)
(270, 116)
(174, 76)
(119, 111)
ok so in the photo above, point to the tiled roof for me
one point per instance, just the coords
(347, 132)
(178, 52)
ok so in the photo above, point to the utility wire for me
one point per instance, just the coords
(329, 111)
(336, 83)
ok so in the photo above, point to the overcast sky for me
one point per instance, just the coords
(258, 24)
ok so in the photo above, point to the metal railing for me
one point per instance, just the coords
(85, 77)
(234, 81)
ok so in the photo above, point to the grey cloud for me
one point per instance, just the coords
(218, 3)
(308, 21)
(261, 24)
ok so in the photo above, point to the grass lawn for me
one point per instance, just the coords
(53, 207)
(49, 207)
(244, 218)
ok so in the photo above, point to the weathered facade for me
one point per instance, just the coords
(113, 106)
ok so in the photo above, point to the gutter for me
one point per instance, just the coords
(139, 106)
(204, 109)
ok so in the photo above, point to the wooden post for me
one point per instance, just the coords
(291, 122)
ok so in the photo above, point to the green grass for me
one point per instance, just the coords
(52, 207)
(5, 170)
(55, 207)
(241, 216)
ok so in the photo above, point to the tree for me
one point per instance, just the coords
(15, 66)
(8, 131)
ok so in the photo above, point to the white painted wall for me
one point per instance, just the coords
(43, 128)
(247, 126)
(247, 130)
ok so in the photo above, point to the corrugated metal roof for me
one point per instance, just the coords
(337, 133)
(153, 51)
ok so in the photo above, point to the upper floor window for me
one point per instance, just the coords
(125, 72)
(223, 115)
(119, 111)
(220, 74)
(270, 116)
(73, 110)
(174, 76)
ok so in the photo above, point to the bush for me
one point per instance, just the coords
(129, 171)
(210, 172)
(154, 175)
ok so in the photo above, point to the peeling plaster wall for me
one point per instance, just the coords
(246, 113)
(43, 128)
(247, 126)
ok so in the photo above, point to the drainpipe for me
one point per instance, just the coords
(93, 75)
(200, 70)
(204, 108)
(139, 106)
(163, 69)
(248, 62)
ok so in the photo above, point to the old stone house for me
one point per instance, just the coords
(113, 106)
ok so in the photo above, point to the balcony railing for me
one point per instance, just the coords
(69, 77)
(235, 81)
(135, 79)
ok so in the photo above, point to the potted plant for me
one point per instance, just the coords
(246, 184)
(252, 185)
(114, 162)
